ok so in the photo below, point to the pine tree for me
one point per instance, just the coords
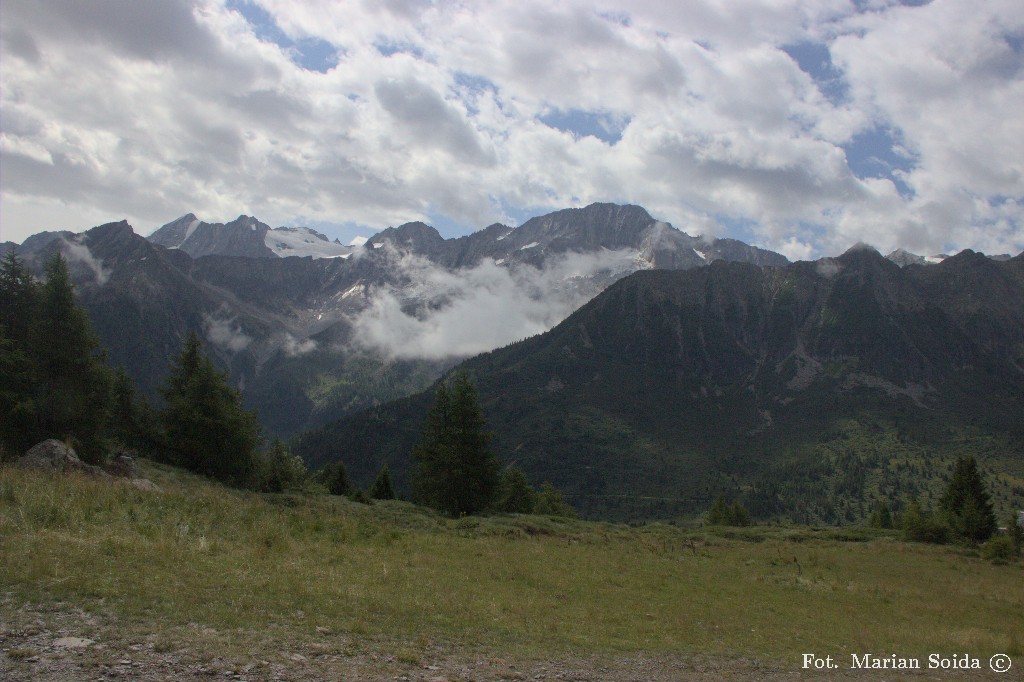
(516, 496)
(455, 470)
(382, 488)
(207, 429)
(966, 504)
(19, 300)
(719, 514)
(283, 470)
(75, 385)
(881, 517)
(335, 477)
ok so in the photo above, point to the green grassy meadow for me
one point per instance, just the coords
(202, 567)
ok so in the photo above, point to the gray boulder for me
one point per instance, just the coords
(123, 465)
(52, 455)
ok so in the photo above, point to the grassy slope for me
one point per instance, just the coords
(199, 566)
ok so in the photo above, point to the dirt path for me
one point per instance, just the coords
(70, 646)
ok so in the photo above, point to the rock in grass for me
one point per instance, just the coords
(52, 455)
(72, 643)
(123, 465)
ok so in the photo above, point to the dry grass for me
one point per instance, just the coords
(198, 565)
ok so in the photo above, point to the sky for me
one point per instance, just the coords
(804, 127)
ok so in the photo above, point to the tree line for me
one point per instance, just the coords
(57, 384)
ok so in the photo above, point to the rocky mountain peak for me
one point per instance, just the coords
(416, 236)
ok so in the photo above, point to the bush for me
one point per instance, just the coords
(551, 503)
(1000, 550)
(722, 513)
(921, 526)
(516, 496)
(282, 470)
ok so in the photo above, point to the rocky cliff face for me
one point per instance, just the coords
(244, 236)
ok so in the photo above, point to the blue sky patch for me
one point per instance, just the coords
(312, 54)
(581, 123)
(388, 49)
(875, 153)
(815, 60)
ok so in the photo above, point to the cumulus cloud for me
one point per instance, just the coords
(462, 113)
(226, 333)
(441, 314)
(828, 267)
(294, 347)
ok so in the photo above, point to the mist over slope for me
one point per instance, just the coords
(311, 338)
(811, 391)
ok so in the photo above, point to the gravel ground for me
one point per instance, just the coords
(51, 644)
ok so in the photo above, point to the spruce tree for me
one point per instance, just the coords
(455, 470)
(207, 429)
(517, 496)
(19, 300)
(335, 478)
(382, 488)
(283, 470)
(966, 504)
(74, 389)
(881, 517)
(719, 514)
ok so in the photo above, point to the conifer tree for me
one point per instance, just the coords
(455, 470)
(517, 496)
(966, 504)
(335, 477)
(382, 488)
(881, 517)
(719, 514)
(284, 470)
(74, 389)
(207, 429)
(19, 299)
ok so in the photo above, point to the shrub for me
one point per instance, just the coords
(1000, 550)
(550, 502)
(722, 513)
(921, 526)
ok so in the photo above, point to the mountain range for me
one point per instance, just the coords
(640, 369)
(311, 329)
(812, 391)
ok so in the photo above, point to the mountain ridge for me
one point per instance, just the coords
(293, 331)
(678, 385)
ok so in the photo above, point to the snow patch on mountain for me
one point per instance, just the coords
(189, 230)
(302, 241)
